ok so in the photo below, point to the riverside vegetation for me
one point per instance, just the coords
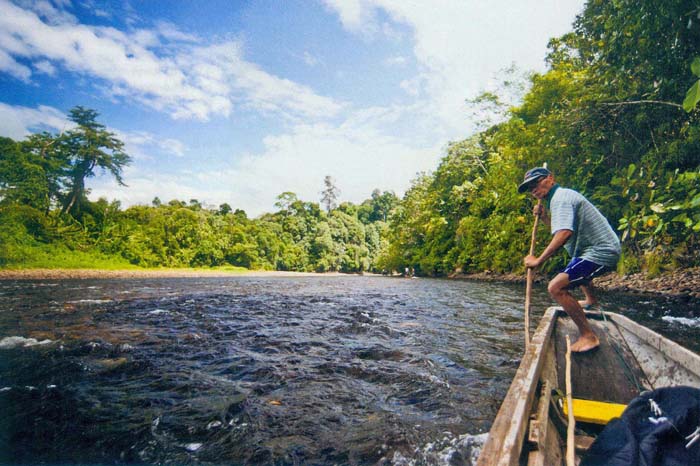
(614, 117)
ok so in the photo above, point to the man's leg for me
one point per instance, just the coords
(557, 289)
(589, 300)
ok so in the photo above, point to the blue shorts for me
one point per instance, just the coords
(581, 271)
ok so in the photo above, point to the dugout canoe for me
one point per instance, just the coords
(530, 427)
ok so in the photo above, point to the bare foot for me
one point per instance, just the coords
(584, 344)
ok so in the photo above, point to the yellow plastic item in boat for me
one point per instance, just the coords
(595, 412)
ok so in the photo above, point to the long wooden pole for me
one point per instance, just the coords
(571, 426)
(530, 273)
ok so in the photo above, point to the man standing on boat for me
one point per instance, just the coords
(585, 233)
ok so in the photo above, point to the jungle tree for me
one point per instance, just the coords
(87, 147)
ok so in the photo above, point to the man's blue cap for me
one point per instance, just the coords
(531, 176)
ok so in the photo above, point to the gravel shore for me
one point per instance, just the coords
(681, 284)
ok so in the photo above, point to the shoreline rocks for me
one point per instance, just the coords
(682, 284)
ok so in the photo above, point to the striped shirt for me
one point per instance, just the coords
(593, 238)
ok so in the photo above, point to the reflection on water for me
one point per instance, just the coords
(358, 370)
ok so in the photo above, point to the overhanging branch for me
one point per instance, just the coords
(641, 102)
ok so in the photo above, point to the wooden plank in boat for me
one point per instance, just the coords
(507, 435)
(665, 362)
(600, 374)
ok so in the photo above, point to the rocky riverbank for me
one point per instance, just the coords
(681, 284)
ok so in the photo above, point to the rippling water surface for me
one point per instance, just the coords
(244, 370)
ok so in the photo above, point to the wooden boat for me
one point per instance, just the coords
(530, 427)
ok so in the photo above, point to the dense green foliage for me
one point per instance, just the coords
(46, 218)
(179, 234)
(607, 119)
(615, 117)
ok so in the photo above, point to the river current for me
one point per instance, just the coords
(266, 370)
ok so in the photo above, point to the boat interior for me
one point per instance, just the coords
(631, 359)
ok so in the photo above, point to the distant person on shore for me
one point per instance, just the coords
(585, 233)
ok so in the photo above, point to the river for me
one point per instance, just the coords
(266, 370)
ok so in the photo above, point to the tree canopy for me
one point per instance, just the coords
(607, 118)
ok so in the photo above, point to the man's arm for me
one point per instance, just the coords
(558, 240)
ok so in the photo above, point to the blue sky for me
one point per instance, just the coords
(238, 101)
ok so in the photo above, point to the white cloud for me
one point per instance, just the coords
(310, 59)
(461, 44)
(11, 66)
(358, 153)
(391, 33)
(101, 13)
(356, 15)
(173, 146)
(52, 14)
(414, 85)
(194, 81)
(19, 122)
(171, 32)
(396, 61)
(142, 189)
(223, 65)
(45, 67)
(359, 156)
(140, 144)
